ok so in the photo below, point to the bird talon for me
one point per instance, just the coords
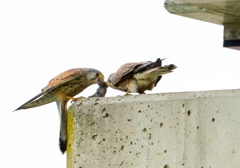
(127, 94)
(71, 98)
(74, 99)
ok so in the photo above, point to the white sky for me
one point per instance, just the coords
(40, 39)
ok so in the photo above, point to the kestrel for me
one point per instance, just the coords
(61, 89)
(138, 77)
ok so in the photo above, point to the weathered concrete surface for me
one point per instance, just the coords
(173, 130)
(232, 35)
(217, 11)
(222, 12)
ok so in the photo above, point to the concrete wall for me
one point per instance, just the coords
(223, 12)
(173, 130)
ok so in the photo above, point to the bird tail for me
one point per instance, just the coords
(162, 69)
(62, 109)
(166, 69)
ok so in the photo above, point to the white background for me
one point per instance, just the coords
(40, 39)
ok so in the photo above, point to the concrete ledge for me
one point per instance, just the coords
(232, 35)
(222, 12)
(193, 129)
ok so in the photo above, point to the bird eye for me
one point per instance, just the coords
(99, 75)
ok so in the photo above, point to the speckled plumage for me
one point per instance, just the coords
(61, 89)
(138, 77)
(123, 71)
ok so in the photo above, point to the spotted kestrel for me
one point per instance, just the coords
(61, 89)
(138, 77)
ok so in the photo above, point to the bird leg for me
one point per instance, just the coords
(74, 99)
(127, 93)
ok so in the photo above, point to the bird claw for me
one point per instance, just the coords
(74, 99)
(127, 94)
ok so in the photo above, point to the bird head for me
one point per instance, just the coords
(109, 81)
(110, 78)
(94, 75)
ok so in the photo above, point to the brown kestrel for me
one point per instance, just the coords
(138, 77)
(61, 89)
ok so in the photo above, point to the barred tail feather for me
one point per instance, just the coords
(62, 109)
(167, 69)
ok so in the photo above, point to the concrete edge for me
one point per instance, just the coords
(159, 97)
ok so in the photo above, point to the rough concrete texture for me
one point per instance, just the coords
(223, 12)
(232, 31)
(232, 35)
(172, 130)
(214, 11)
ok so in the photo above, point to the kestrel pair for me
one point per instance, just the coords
(131, 77)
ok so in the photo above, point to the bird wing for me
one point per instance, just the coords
(124, 71)
(47, 96)
(64, 77)
(157, 80)
(30, 103)
(131, 69)
(159, 71)
(148, 66)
